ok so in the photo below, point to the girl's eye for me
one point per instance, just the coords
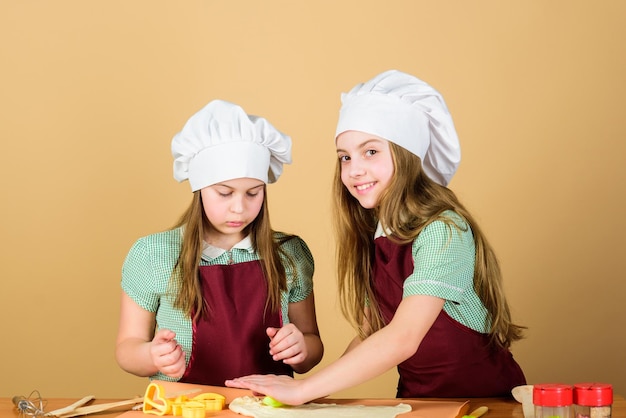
(370, 152)
(252, 194)
(225, 194)
(343, 158)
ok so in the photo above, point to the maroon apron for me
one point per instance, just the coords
(231, 342)
(452, 361)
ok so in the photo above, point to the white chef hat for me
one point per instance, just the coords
(221, 142)
(408, 112)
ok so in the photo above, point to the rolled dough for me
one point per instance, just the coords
(252, 406)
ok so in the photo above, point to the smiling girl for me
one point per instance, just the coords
(417, 278)
(221, 294)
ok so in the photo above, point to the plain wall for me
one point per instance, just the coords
(91, 93)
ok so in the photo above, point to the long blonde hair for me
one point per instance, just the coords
(185, 276)
(406, 207)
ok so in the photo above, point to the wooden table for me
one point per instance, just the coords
(498, 407)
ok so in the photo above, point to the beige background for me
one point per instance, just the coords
(93, 91)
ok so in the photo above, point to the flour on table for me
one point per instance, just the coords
(252, 406)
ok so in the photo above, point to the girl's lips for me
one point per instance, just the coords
(364, 187)
(234, 224)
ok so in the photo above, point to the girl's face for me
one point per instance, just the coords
(366, 165)
(231, 206)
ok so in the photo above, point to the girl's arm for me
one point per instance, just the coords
(138, 350)
(378, 353)
(299, 345)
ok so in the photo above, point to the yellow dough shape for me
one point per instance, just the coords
(269, 401)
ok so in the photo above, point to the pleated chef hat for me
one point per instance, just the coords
(408, 112)
(221, 142)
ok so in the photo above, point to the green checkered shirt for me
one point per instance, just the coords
(148, 267)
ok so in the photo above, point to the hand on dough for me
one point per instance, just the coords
(282, 388)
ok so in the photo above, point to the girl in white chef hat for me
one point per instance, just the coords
(418, 279)
(221, 294)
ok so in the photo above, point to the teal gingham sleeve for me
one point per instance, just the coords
(444, 257)
(300, 278)
(300, 282)
(148, 267)
(138, 277)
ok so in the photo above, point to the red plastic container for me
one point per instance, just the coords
(553, 400)
(593, 400)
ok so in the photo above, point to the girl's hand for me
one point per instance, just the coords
(167, 354)
(282, 388)
(287, 344)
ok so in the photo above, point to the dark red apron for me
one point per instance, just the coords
(453, 361)
(232, 341)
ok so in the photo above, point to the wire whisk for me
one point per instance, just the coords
(33, 406)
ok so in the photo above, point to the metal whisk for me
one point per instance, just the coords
(31, 406)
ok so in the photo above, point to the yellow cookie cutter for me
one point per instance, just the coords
(155, 403)
(177, 405)
(212, 401)
(193, 409)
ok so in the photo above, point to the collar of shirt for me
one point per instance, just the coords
(214, 252)
(380, 232)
